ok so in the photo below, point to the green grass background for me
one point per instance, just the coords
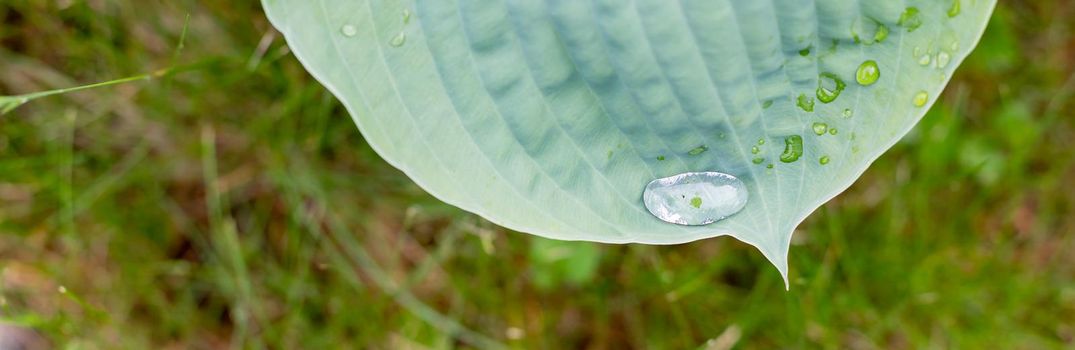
(235, 205)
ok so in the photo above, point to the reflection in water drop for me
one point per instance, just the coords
(695, 199)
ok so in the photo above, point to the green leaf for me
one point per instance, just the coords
(551, 116)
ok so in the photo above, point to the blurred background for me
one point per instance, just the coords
(235, 205)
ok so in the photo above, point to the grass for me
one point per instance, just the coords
(235, 205)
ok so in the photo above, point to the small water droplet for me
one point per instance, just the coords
(660, 157)
(820, 128)
(881, 34)
(755, 150)
(698, 150)
(954, 46)
(406, 16)
(349, 30)
(806, 52)
(695, 199)
(806, 103)
(761, 142)
(767, 104)
(848, 113)
(829, 87)
(910, 19)
(832, 131)
(921, 98)
(924, 60)
(793, 149)
(954, 10)
(823, 160)
(942, 59)
(758, 160)
(880, 31)
(868, 73)
(769, 166)
(398, 40)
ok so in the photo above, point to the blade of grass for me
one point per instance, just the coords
(342, 246)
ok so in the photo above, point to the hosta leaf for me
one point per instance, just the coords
(551, 116)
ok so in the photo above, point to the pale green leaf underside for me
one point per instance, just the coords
(551, 116)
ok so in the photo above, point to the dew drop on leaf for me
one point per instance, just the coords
(954, 10)
(348, 30)
(820, 128)
(921, 98)
(697, 198)
(793, 149)
(910, 19)
(806, 103)
(868, 73)
(829, 87)
(942, 59)
(398, 40)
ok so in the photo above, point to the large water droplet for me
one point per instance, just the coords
(349, 30)
(829, 87)
(868, 73)
(398, 40)
(695, 199)
(793, 149)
